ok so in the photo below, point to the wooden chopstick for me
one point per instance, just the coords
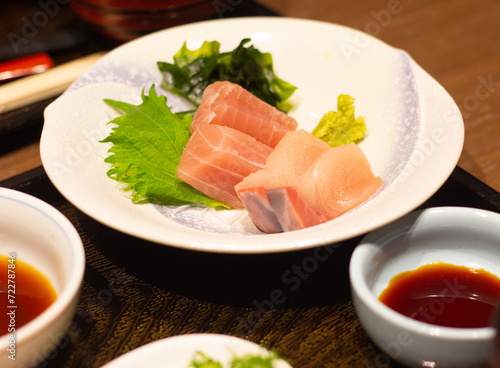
(50, 83)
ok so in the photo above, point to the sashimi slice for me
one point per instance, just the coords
(293, 155)
(292, 212)
(277, 210)
(328, 181)
(260, 211)
(228, 104)
(338, 181)
(216, 158)
(210, 180)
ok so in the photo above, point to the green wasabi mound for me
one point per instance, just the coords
(341, 127)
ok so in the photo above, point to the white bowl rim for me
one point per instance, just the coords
(73, 282)
(206, 342)
(360, 287)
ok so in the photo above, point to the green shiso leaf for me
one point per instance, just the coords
(193, 70)
(341, 127)
(148, 141)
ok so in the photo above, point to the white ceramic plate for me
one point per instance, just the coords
(179, 351)
(415, 130)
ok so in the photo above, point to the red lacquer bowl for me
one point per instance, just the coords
(124, 20)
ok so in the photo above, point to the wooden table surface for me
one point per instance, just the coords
(457, 42)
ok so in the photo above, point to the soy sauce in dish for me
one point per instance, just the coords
(24, 293)
(445, 295)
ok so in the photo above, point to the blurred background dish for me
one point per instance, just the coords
(129, 19)
(179, 351)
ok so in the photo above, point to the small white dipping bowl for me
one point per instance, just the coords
(44, 238)
(454, 235)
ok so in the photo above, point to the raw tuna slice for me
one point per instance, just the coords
(216, 158)
(338, 181)
(292, 212)
(228, 104)
(260, 210)
(293, 155)
(329, 181)
(278, 210)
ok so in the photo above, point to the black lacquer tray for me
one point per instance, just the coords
(135, 292)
